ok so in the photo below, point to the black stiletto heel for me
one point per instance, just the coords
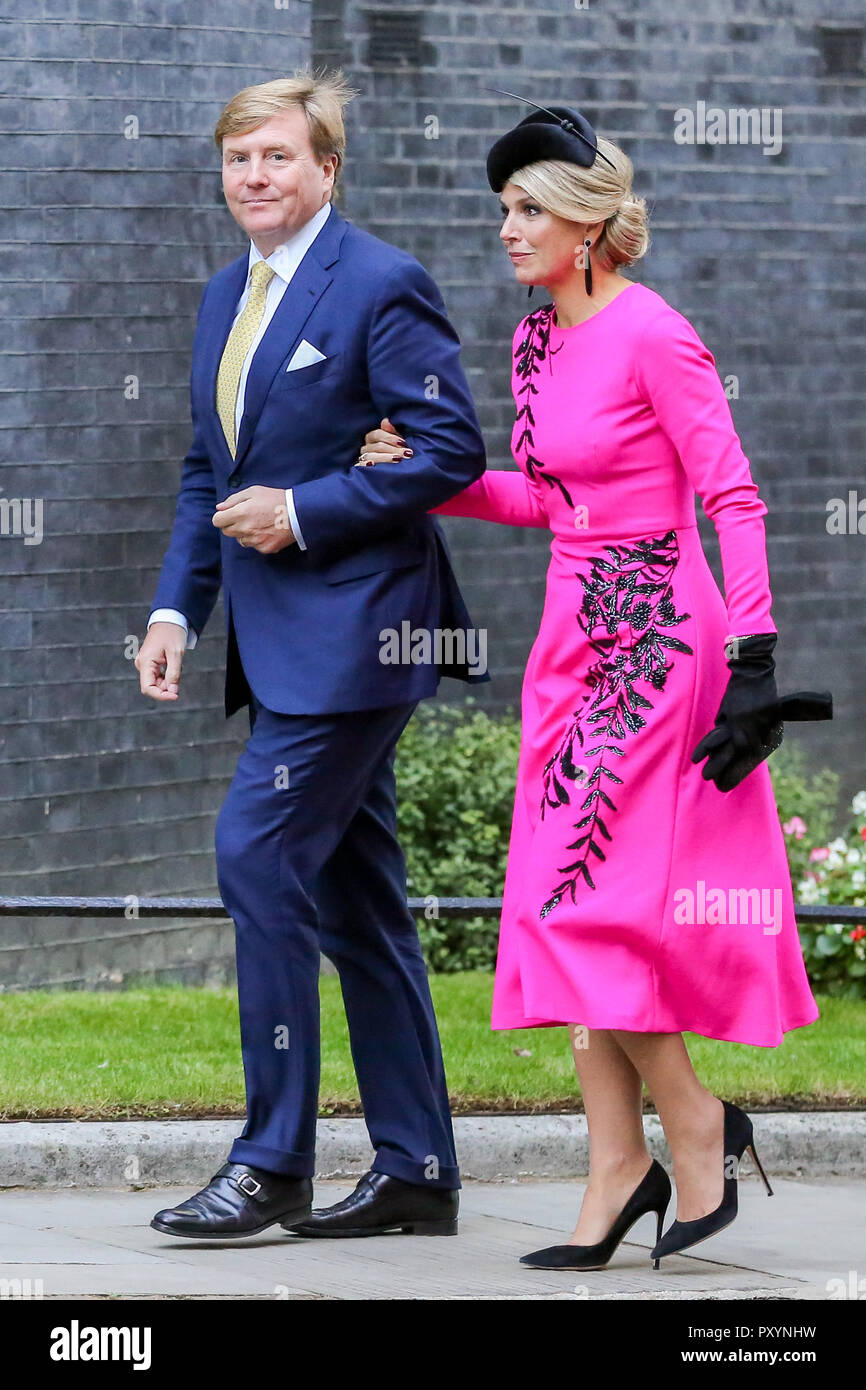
(757, 1162)
(739, 1136)
(653, 1193)
(659, 1224)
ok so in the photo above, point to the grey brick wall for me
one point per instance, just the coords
(107, 242)
(763, 253)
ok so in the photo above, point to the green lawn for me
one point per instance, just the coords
(175, 1052)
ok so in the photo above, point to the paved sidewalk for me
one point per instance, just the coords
(92, 1244)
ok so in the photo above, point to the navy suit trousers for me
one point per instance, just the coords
(308, 860)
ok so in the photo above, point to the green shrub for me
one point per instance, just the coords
(807, 805)
(456, 771)
(835, 952)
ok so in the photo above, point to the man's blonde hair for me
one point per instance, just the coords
(322, 96)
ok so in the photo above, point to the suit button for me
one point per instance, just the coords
(234, 479)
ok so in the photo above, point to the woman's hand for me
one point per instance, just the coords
(383, 445)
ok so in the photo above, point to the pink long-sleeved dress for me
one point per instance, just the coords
(637, 895)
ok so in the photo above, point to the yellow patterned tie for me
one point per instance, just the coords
(236, 349)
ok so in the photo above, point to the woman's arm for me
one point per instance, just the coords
(505, 496)
(677, 376)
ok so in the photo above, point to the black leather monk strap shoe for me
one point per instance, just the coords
(238, 1201)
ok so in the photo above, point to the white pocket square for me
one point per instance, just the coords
(304, 355)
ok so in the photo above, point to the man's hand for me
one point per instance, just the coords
(159, 660)
(256, 517)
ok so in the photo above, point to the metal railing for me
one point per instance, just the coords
(213, 908)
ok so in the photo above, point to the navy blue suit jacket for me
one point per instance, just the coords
(306, 624)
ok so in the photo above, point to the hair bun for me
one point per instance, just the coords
(626, 233)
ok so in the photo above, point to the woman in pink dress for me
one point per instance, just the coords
(645, 895)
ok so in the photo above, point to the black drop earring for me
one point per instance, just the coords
(531, 288)
(587, 268)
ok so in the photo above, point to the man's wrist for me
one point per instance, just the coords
(293, 520)
(172, 615)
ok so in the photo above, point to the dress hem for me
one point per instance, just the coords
(629, 1027)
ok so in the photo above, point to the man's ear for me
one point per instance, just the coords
(331, 167)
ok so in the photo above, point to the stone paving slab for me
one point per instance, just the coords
(96, 1244)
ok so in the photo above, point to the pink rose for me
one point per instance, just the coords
(816, 855)
(796, 827)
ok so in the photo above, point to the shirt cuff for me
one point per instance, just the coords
(293, 519)
(171, 615)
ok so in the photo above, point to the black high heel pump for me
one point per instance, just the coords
(653, 1193)
(739, 1136)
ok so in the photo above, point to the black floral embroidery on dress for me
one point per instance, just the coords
(634, 586)
(530, 354)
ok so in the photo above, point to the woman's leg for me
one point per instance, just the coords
(618, 1156)
(692, 1117)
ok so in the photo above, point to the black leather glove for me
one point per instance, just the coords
(749, 725)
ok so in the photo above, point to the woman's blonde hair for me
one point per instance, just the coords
(596, 194)
(322, 96)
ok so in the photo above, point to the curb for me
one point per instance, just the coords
(169, 1153)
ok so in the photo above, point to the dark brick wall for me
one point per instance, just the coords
(106, 245)
(763, 253)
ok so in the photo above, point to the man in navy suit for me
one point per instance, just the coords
(302, 345)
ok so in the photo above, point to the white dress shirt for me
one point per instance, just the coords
(284, 262)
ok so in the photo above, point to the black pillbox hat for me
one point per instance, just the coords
(558, 132)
